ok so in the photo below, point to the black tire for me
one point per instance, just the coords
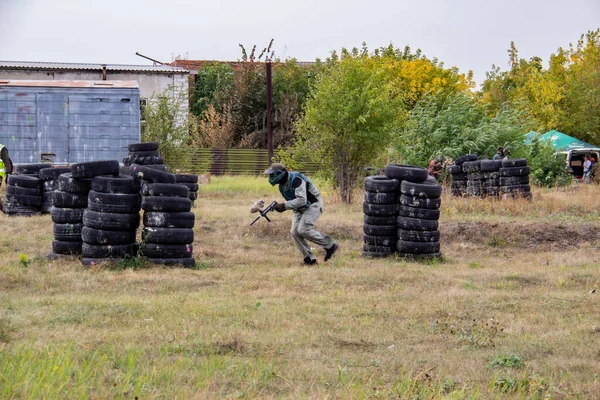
(62, 199)
(151, 175)
(95, 168)
(169, 219)
(490, 191)
(405, 172)
(422, 213)
(111, 221)
(459, 176)
(381, 184)
(491, 175)
(418, 247)
(474, 177)
(22, 191)
(380, 230)
(114, 202)
(16, 210)
(193, 196)
(109, 251)
(476, 184)
(148, 153)
(50, 186)
(382, 198)
(387, 241)
(24, 200)
(416, 224)
(192, 187)
(105, 237)
(149, 146)
(418, 236)
(153, 250)
(411, 201)
(159, 167)
(490, 165)
(61, 247)
(68, 232)
(471, 166)
(469, 157)
(165, 189)
(124, 170)
(116, 184)
(186, 178)
(459, 184)
(30, 169)
(66, 215)
(52, 174)
(514, 162)
(514, 180)
(516, 188)
(166, 204)
(455, 169)
(150, 160)
(380, 210)
(374, 220)
(515, 171)
(379, 249)
(491, 182)
(174, 262)
(167, 235)
(427, 189)
(24, 181)
(67, 183)
(376, 254)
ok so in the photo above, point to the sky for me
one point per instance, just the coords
(468, 34)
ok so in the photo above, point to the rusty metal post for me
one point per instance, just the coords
(269, 111)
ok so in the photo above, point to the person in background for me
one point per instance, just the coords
(435, 167)
(499, 154)
(594, 174)
(587, 164)
(6, 166)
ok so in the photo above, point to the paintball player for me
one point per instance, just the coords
(6, 166)
(304, 198)
(435, 167)
(499, 153)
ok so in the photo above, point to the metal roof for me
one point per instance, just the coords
(165, 69)
(71, 84)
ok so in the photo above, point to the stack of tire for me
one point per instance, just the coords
(382, 195)
(168, 232)
(514, 179)
(490, 178)
(145, 154)
(25, 201)
(474, 178)
(22, 196)
(191, 181)
(49, 178)
(419, 212)
(459, 184)
(111, 220)
(69, 202)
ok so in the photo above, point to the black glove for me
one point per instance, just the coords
(280, 207)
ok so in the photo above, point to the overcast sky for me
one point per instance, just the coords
(470, 34)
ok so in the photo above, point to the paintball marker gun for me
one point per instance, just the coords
(263, 213)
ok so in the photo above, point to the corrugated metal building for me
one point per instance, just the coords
(68, 121)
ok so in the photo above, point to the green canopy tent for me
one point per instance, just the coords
(562, 142)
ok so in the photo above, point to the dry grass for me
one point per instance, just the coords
(251, 321)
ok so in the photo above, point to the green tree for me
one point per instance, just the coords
(547, 167)
(456, 125)
(348, 119)
(214, 84)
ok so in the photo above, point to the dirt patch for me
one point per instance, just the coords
(521, 235)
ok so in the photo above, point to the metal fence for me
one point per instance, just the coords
(228, 161)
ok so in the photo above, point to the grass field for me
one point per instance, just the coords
(510, 311)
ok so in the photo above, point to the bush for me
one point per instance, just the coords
(548, 168)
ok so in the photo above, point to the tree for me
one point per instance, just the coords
(455, 125)
(348, 118)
